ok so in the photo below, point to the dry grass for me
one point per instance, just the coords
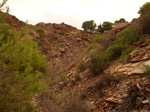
(74, 103)
(129, 102)
(48, 104)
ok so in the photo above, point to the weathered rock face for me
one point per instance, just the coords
(62, 44)
(119, 27)
(134, 82)
(135, 61)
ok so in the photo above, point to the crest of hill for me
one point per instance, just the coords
(54, 26)
(12, 21)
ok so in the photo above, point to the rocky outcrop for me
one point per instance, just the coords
(62, 42)
(12, 21)
(131, 94)
(135, 61)
(119, 27)
(59, 28)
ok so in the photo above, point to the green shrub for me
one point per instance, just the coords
(121, 20)
(144, 23)
(22, 67)
(90, 47)
(113, 52)
(144, 9)
(40, 30)
(98, 39)
(89, 26)
(98, 63)
(125, 52)
(122, 42)
(106, 26)
(147, 70)
(127, 37)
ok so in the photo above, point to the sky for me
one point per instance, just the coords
(74, 12)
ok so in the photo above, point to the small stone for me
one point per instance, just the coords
(69, 74)
(145, 57)
(145, 101)
(79, 39)
(135, 59)
(122, 69)
(140, 88)
(62, 50)
(111, 100)
(139, 100)
(71, 54)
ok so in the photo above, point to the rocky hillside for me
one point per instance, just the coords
(106, 72)
(61, 43)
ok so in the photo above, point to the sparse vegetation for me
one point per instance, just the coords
(106, 81)
(147, 70)
(49, 102)
(75, 104)
(98, 39)
(129, 102)
(40, 30)
(98, 63)
(82, 67)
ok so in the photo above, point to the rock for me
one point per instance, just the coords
(135, 59)
(62, 50)
(69, 74)
(136, 71)
(71, 54)
(140, 88)
(91, 106)
(136, 110)
(78, 39)
(131, 68)
(139, 100)
(68, 44)
(145, 101)
(145, 57)
(147, 88)
(111, 100)
(134, 53)
(119, 27)
(122, 69)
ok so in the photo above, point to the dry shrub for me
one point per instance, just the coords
(82, 67)
(74, 103)
(98, 63)
(105, 81)
(47, 103)
(129, 102)
(117, 51)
